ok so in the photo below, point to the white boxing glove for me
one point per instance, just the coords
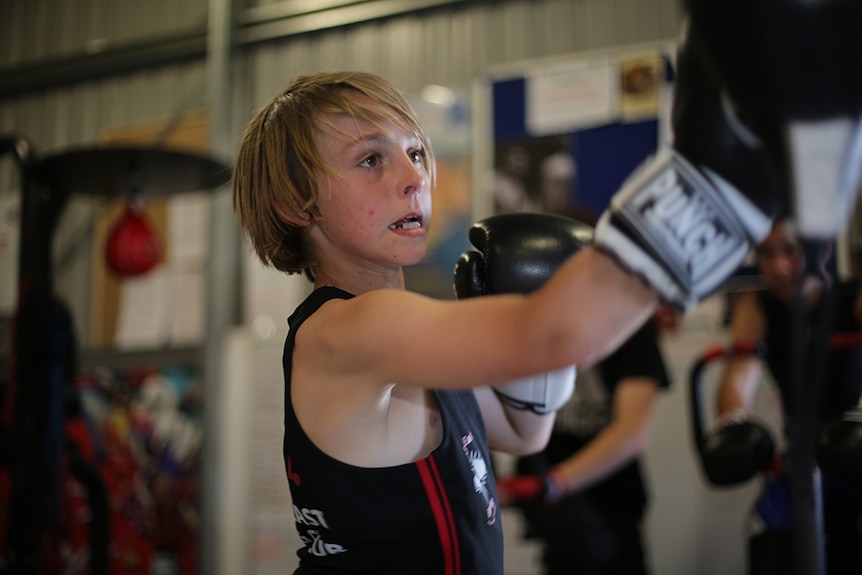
(686, 220)
(541, 393)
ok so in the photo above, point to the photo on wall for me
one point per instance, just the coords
(534, 174)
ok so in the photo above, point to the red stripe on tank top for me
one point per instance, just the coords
(442, 514)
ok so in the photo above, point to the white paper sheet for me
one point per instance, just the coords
(188, 228)
(146, 310)
(576, 95)
(187, 321)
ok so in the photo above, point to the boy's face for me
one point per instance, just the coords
(780, 259)
(376, 204)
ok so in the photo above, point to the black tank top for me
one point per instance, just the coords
(438, 515)
(840, 383)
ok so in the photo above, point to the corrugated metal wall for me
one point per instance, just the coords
(36, 33)
(32, 31)
(448, 45)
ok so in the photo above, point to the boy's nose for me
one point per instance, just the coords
(414, 178)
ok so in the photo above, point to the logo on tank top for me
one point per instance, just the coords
(310, 523)
(481, 475)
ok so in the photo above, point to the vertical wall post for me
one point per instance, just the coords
(223, 282)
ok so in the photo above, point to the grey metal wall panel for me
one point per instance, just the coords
(79, 114)
(447, 46)
(451, 46)
(33, 30)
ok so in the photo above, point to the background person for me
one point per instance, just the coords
(764, 316)
(593, 524)
(593, 457)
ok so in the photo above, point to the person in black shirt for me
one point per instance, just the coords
(593, 524)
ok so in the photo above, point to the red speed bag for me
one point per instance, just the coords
(132, 248)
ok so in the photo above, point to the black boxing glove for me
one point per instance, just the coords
(738, 446)
(736, 450)
(687, 219)
(517, 253)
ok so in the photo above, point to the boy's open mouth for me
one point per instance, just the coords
(408, 223)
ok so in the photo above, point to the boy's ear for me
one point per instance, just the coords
(289, 217)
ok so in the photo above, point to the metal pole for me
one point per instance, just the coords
(810, 335)
(223, 273)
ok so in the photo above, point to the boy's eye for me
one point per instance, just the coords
(418, 156)
(370, 161)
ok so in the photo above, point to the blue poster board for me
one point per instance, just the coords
(575, 170)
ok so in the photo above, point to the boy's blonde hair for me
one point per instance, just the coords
(275, 176)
